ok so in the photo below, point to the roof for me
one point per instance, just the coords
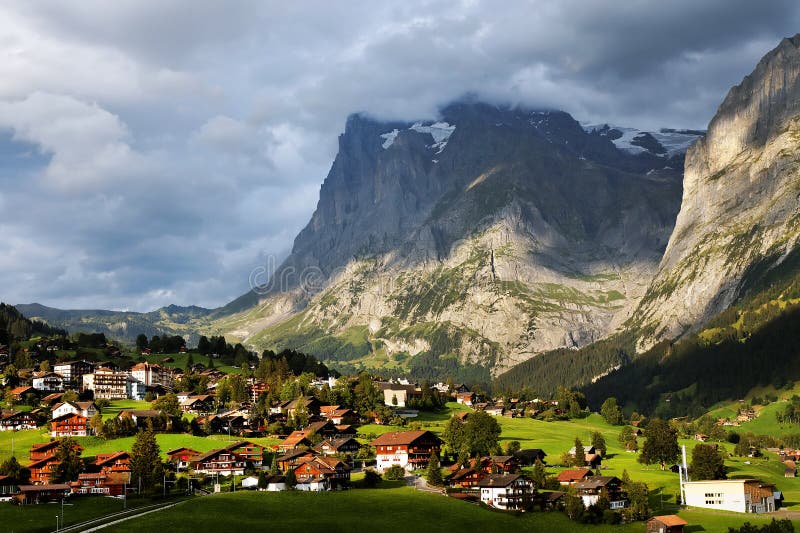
(501, 458)
(293, 454)
(401, 437)
(295, 438)
(596, 482)
(498, 480)
(44, 446)
(68, 416)
(182, 449)
(670, 520)
(553, 496)
(103, 458)
(574, 474)
(44, 488)
(335, 444)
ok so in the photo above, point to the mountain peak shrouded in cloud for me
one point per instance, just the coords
(154, 154)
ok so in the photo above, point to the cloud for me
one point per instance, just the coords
(153, 153)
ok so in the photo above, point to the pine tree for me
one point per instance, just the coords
(579, 459)
(146, 467)
(433, 474)
(539, 475)
(599, 443)
(69, 461)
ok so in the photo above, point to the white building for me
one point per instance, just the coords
(87, 409)
(152, 375)
(506, 491)
(738, 495)
(48, 382)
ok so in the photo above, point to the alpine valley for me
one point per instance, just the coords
(515, 244)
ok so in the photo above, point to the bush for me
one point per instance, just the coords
(394, 473)
(372, 479)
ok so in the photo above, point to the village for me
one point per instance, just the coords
(307, 444)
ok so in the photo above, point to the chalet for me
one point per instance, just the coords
(289, 460)
(346, 430)
(575, 475)
(552, 500)
(43, 450)
(48, 382)
(700, 437)
(323, 428)
(73, 370)
(666, 524)
(201, 403)
(234, 423)
(221, 461)
(256, 390)
(408, 449)
(17, 420)
(344, 445)
(790, 469)
(529, 456)
(738, 495)
(495, 410)
(85, 409)
(319, 471)
(466, 477)
(101, 483)
(19, 393)
(501, 464)
(506, 491)
(467, 398)
(311, 404)
(295, 440)
(336, 415)
(112, 462)
(181, 457)
(42, 470)
(69, 425)
(590, 489)
(8, 487)
(52, 399)
(592, 459)
(184, 395)
(139, 416)
(30, 494)
(248, 452)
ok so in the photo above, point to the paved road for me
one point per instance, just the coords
(419, 483)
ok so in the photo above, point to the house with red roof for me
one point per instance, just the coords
(408, 449)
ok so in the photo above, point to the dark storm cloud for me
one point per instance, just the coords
(153, 152)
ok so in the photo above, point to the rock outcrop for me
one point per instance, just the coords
(481, 239)
(740, 212)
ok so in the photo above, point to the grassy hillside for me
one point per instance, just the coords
(391, 509)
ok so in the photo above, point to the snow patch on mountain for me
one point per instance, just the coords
(440, 131)
(631, 140)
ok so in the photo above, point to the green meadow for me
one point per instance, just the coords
(399, 509)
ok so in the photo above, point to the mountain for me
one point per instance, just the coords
(15, 326)
(739, 216)
(720, 316)
(124, 325)
(468, 244)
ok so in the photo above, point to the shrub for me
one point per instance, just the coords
(394, 473)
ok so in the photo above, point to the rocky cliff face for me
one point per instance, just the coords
(740, 212)
(480, 239)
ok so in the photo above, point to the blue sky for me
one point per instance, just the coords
(154, 152)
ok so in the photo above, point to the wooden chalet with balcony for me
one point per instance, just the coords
(407, 449)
